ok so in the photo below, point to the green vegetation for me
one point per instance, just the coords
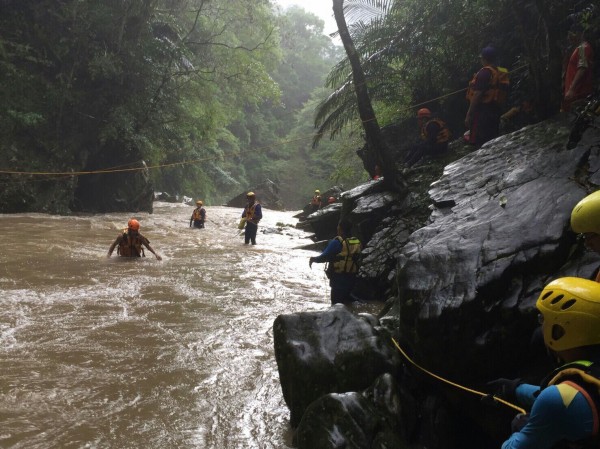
(217, 95)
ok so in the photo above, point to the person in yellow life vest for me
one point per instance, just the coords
(585, 220)
(315, 202)
(130, 242)
(434, 134)
(342, 256)
(198, 216)
(486, 93)
(563, 410)
(252, 215)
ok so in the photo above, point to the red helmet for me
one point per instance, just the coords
(330, 200)
(423, 112)
(133, 224)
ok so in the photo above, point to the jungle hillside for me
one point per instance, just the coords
(207, 98)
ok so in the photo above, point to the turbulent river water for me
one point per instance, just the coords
(141, 353)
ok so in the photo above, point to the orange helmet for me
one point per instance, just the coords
(133, 224)
(423, 112)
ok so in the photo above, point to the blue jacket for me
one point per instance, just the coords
(560, 412)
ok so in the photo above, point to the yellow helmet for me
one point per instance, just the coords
(317, 191)
(570, 308)
(250, 194)
(585, 216)
(199, 203)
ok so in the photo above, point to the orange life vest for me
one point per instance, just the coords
(497, 91)
(443, 134)
(316, 200)
(131, 246)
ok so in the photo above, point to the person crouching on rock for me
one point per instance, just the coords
(130, 242)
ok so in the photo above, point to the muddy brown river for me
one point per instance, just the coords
(178, 353)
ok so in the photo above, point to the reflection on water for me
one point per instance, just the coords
(113, 353)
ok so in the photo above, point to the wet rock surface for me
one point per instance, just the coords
(460, 259)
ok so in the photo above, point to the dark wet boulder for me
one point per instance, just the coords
(467, 282)
(369, 419)
(326, 352)
(267, 194)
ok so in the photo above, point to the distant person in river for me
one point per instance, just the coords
(251, 216)
(434, 134)
(342, 257)
(578, 71)
(130, 242)
(486, 94)
(564, 408)
(316, 202)
(198, 216)
(585, 220)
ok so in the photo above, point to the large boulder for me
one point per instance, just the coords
(467, 282)
(329, 352)
(267, 194)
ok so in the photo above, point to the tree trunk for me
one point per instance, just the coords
(375, 144)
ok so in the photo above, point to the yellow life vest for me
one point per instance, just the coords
(347, 260)
(250, 212)
(497, 91)
(197, 215)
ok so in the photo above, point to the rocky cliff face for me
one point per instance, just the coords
(460, 261)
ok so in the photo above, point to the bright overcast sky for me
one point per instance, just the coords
(321, 8)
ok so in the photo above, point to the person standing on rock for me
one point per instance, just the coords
(487, 91)
(578, 72)
(198, 215)
(564, 409)
(252, 215)
(585, 220)
(130, 242)
(341, 255)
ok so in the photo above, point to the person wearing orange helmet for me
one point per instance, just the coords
(130, 242)
(434, 134)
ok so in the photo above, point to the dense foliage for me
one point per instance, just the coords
(204, 89)
(215, 96)
(418, 54)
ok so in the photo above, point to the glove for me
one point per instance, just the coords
(505, 388)
(519, 422)
(310, 262)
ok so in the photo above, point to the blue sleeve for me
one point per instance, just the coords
(258, 212)
(554, 417)
(527, 394)
(333, 247)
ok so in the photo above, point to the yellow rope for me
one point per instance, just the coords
(479, 393)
